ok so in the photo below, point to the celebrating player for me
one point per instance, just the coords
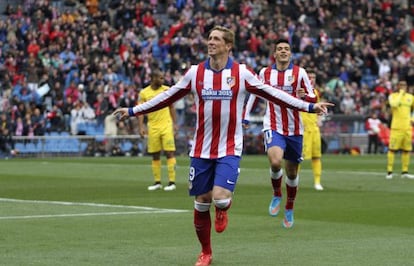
(220, 86)
(282, 127)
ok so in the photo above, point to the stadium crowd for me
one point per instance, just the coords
(66, 62)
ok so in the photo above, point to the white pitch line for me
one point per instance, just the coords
(90, 204)
(81, 214)
(143, 210)
(365, 173)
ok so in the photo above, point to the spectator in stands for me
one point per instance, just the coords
(68, 58)
(19, 127)
(6, 143)
(66, 108)
(110, 76)
(82, 93)
(76, 118)
(55, 119)
(122, 129)
(348, 41)
(23, 93)
(38, 122)
(88, 113)
(348, 104)
(5, 121)
(372, 125)
(72, 91)
(149, 23)
(28, 129)
(101, 107)
(32, 73)
(92, 6)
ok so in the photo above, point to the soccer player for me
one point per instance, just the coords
(282, 127)
(220, 86)
(312, 148)
(161, 125)
(402, 105)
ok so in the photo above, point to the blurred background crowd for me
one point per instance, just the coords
(65, 64)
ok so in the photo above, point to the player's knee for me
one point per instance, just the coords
(276, 164)
(170, 154)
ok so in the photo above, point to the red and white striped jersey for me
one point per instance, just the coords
(281, 118)
(219, 98)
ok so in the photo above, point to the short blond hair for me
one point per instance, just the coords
(228, 35)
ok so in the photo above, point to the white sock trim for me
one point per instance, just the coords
(222, 203)
(292, 183)
(276, 175)
(201, 207)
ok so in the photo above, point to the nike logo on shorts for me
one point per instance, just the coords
(230, 182)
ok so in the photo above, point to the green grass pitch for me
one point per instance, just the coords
(97, 211)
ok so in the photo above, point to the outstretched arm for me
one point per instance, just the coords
(254, 85)
(160, 101)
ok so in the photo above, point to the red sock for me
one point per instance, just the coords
(202, 225)
(291, 196)
(277, 187)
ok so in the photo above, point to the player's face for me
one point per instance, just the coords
(282, 53)
(402, 86)
(216, 44)
(312, 78)
(158, 80)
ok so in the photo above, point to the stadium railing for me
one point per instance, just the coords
(57, 144)
(340, 134)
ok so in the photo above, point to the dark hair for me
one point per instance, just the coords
(156, 72)
(282, 41)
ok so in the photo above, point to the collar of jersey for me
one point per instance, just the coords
(289, 67)
(228, 65)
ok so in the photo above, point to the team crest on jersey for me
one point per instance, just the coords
(291, 79)
(231, 81)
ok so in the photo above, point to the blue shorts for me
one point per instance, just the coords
(207, 173)
(292, 145)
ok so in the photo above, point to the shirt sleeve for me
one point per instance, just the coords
(255, 86)
(168, 97)
(307, 85)
(248, 107)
